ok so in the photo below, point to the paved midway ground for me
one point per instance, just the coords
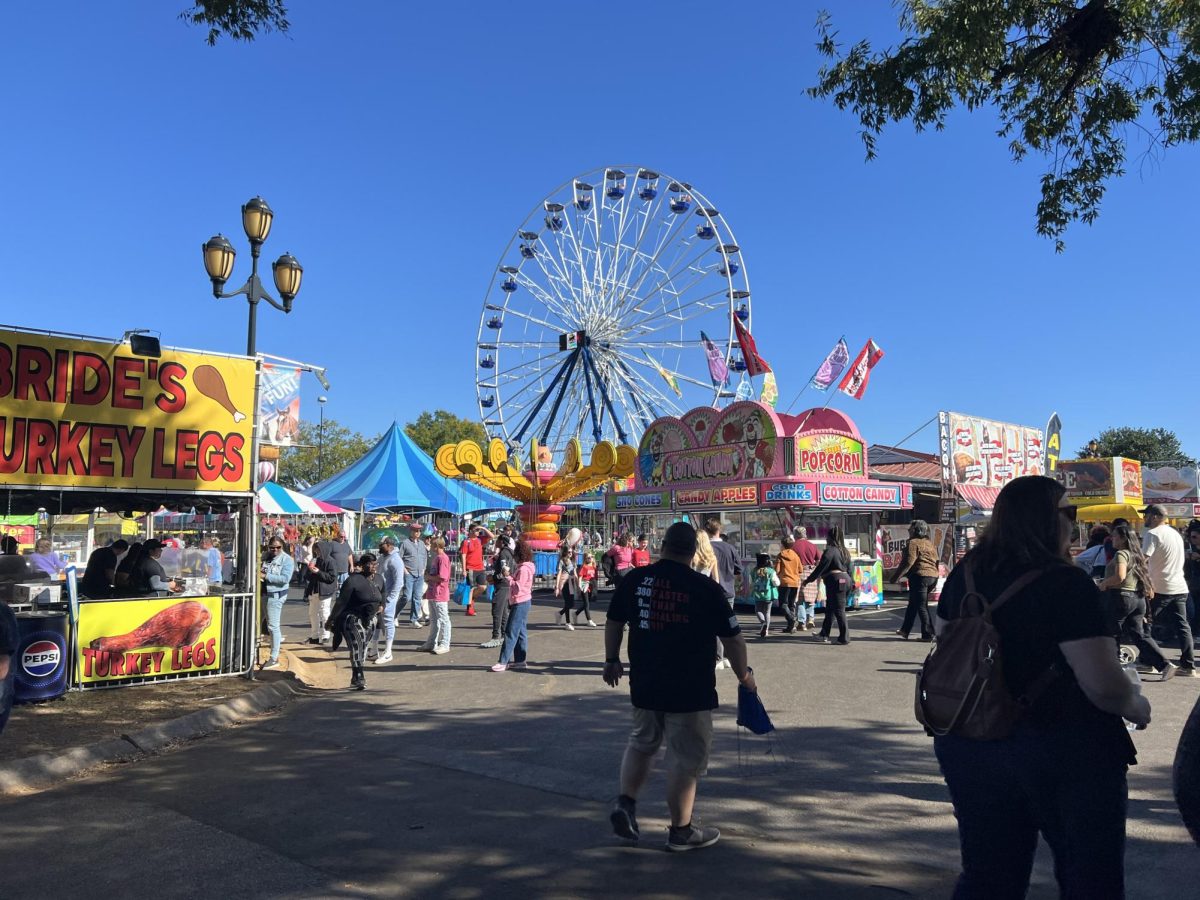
(446, 780)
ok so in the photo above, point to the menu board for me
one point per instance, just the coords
(986, 452)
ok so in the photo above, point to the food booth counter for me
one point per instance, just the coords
(90, 425)
(761, 473)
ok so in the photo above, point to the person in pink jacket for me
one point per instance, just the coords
(516, 634)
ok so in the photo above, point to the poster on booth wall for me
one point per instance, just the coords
(91, 414)
(279, 405)
(120, 639)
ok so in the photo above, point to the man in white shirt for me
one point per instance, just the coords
(1163, 548)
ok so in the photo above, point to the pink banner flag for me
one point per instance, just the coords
(855, 382)
(833, 366)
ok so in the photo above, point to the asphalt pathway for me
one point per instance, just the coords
(444, 779)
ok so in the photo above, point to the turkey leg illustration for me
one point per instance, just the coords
(210, 383)
(176, 626)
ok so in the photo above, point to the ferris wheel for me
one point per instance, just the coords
(611, 306)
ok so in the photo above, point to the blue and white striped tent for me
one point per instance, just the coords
(396, 474)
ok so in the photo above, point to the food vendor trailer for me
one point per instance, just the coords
(87, 424)
(760, 473)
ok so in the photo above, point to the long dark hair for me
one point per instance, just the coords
(1137, 561)
(524, 552)
(836, 540)
(1024, 530)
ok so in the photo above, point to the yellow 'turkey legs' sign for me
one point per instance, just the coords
(83, 413)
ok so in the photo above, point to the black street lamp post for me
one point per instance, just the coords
(287, 271)
(321, 441)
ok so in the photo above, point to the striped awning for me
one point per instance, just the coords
(980, 498)
(276, 500)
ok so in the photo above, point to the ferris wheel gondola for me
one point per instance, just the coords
(592, 322)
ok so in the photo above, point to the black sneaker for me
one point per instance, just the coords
(689, 837)
(1186, 672)
(624, 819)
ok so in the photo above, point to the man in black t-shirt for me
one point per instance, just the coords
(101, 571)
(673, 613)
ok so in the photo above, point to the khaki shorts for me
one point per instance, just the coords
(688, 736)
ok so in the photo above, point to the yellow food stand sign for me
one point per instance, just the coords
(121, 639)
(77, 413)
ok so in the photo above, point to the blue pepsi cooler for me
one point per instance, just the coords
(40, 663)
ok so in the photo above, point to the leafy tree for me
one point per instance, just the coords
(433, 429)
(300, 465)
(241, 20)
(1067, 78)
(1145, 444)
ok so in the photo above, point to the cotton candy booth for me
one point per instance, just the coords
(761, 473)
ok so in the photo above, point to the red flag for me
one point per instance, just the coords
(855, 381)
(755, 364)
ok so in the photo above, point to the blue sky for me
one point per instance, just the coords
(401, 144)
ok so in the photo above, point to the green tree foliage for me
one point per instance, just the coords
(300, 465)
(241, 20)
(1068, 81)
(1144, 444)
(433, 429)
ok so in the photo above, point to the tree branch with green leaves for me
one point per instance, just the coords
(1068, 81)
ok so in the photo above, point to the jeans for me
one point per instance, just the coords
(275, 603)
(1005, 792)
(516, 635)
(1127, 612)
(439, 631)
(318, 614)
(389, 624)
(1170, 610)
(918, 600)
(787, 603)
(837, 589)
(414, 586)
(341, 579)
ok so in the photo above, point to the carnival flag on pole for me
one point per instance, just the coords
(717, 370)
(745, 390)
(1053, 445)
(770, 391)
(854, 384)
(755, 364)
(834, 363)
(666, 376)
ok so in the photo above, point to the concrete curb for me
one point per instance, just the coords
(36, 773)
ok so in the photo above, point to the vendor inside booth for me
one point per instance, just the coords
(761, 474)
(95, 437)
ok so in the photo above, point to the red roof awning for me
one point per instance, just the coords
(981, 498)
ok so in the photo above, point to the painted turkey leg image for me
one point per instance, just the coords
(176, 626)
(209, 382)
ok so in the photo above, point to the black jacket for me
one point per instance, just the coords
(321, 582)
(831, 559)
(360, 598)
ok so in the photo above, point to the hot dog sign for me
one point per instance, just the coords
(89, 414)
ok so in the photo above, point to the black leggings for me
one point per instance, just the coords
(356, 642)
(583, 602)
(837, 589)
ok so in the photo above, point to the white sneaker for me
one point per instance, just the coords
(385, 658)
(570, 627)
(592, 623)
(438, 651)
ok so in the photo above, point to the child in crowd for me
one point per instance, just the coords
(587, 583)
(764, 591)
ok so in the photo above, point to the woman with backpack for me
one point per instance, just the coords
(834, 572)
(1044, 748)
(1126, 583)
(765, 591)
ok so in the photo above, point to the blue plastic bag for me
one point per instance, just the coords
(462, 593)
(751, 712)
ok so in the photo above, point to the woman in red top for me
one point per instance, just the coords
(622, 557)
(641, 553)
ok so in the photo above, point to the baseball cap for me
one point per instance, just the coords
(387, 539)
(153, 544)
(415, 526)
(1153, 510)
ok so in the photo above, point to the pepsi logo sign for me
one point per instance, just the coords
(41, 658)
